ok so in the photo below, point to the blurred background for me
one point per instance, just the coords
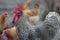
(45, 6)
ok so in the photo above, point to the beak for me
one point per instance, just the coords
(6, 14)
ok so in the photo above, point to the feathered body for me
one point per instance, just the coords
(11, 33)
(3, 23)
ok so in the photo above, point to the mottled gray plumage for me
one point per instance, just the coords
(43, 31)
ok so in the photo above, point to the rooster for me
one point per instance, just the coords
(35, 18)
(33, 15)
